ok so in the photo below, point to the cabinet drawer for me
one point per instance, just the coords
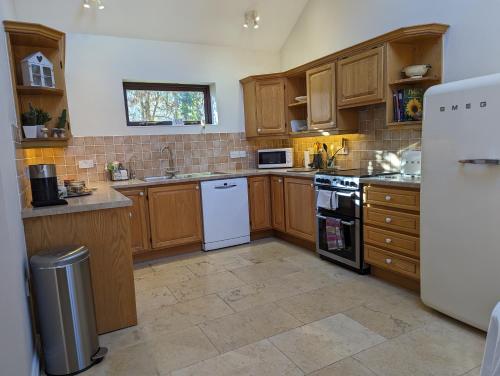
(391, 219)
(393, 262)
(408, 245)
(393, 197)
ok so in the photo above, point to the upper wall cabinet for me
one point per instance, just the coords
(361, 78)
(264, 107)
(321, 97)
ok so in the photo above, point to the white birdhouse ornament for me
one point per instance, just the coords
(37, 71)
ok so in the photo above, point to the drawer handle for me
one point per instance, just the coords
(388, 220)
(388, 240)
(388, 198)
(388, 261)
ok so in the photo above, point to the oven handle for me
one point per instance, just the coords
(350, 195)
(352, 223)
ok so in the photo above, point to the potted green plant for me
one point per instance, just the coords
(60, 130)
(33, 121)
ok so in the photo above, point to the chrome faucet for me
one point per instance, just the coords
(170, 171)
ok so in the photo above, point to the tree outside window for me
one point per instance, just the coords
(166, 104)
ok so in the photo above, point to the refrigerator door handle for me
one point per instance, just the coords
(480, 161)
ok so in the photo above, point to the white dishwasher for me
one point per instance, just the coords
(225, 213)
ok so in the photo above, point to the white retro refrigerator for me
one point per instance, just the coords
(460, 199)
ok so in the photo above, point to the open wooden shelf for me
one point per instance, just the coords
(407, 81)
(24, 39)
(298, 104)
(39, 90)
(51, 142)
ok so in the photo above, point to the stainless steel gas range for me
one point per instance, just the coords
(339, 216)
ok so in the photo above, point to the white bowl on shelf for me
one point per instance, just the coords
(301, 98)
(416, 71)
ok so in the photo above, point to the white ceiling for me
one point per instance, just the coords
(217, 22)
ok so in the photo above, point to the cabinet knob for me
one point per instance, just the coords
(141, 193)
(130, 214)
(388, 198)
(388, 261)
(388, 220)
(197, 188)
(259, 130)
(388, 240)
(312, 185)
(280, 181)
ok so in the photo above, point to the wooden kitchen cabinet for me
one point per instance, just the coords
(270, 102)
(361, 78)
(278, 203)
(259, 197)
(175, 215)
(391, 233)
(264, 102)
(139, 219)
(321, 106)
(299, 208)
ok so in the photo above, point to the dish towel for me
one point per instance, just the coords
(334, 234)
(491, 360)
(327, 200)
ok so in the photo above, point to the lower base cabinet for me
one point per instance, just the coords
(300, 208)
(139, 219)
(175, 215)
(259, 199)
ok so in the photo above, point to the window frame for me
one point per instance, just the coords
(205, 89)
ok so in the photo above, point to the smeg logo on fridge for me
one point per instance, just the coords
(456, 107)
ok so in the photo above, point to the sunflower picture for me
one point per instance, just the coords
(413, 109)
(412, 104)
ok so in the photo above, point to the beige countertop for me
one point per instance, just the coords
(106, 195)
(393, 180)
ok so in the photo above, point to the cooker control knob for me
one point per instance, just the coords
(353, 184)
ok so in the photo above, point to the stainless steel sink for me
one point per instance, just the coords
(155, 179)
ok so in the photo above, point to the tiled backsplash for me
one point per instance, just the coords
(375, 145)
(191, 153)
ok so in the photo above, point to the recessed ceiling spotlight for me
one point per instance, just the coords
(87, 4)
(251, 18)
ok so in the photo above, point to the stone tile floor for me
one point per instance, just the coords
(270, 308)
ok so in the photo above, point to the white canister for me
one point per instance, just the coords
(307, 158)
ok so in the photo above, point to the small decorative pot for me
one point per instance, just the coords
(30, 131)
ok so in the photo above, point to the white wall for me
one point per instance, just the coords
(16, 349)
(96, 66)
(471, 44)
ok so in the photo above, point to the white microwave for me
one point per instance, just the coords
(275, 158)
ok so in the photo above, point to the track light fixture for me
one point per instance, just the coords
(251, 19)
(87, 4)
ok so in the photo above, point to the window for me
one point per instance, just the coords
(149, 104)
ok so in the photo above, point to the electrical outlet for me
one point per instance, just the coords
(86, 163)
(238, 154)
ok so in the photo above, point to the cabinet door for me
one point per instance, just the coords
(278, 203)
(175, 215)
(321, 97)
(299, 208)
(270, 104)
(259, 197)
(138, 213)
(361, 78)
(250, 109)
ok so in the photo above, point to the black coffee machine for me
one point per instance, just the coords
(44, 189)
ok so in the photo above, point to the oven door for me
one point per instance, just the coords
(350, 253)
